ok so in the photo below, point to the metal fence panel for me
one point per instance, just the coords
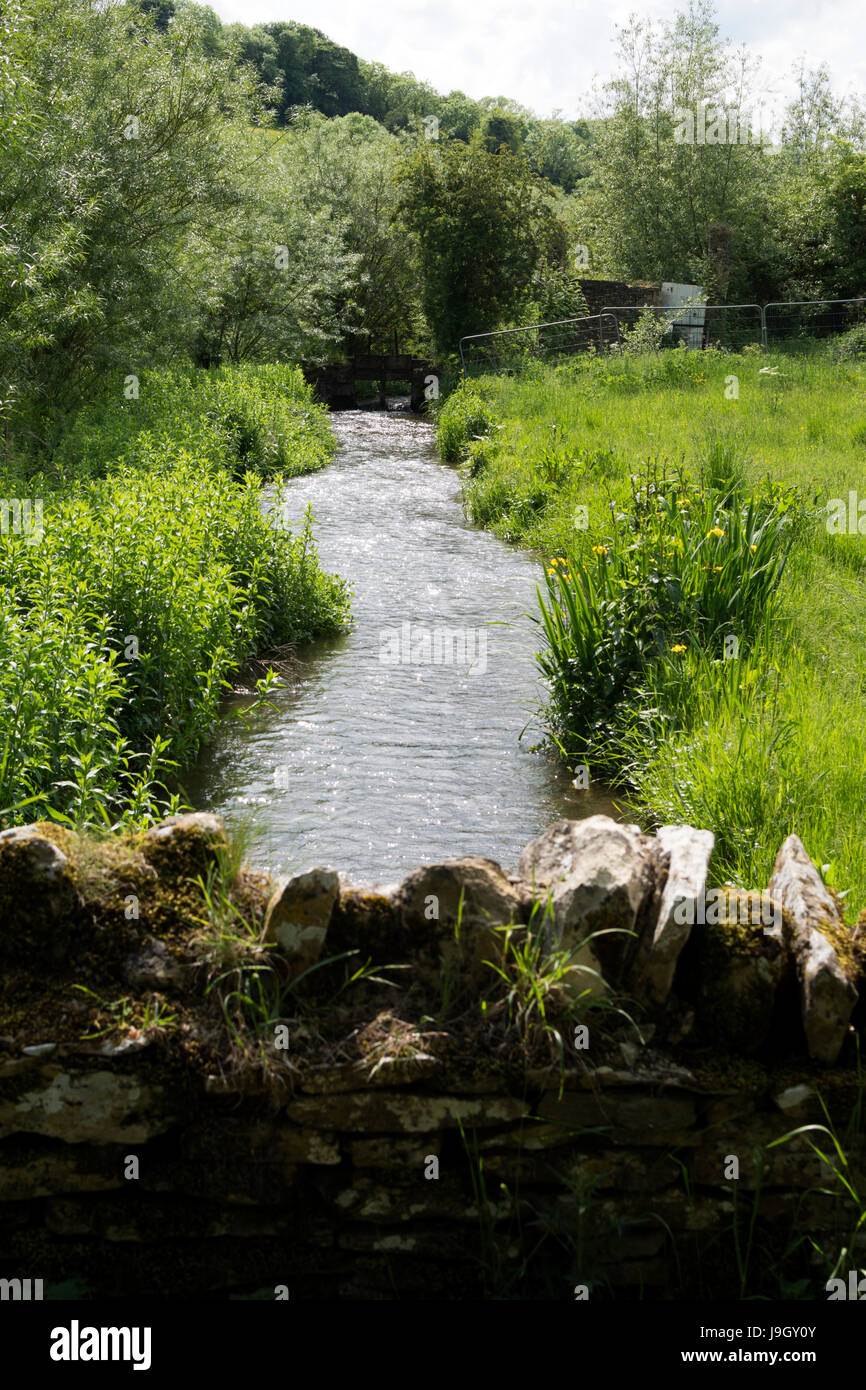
(788, 320)
(698, 325)
(508, 349)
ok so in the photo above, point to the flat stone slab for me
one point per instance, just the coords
(687, 852)
(598, 875)
(636, 1113)
(827, 996)
(93, 1107)
(298, 916)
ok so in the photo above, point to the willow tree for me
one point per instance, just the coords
(117, 151)
(683, 147)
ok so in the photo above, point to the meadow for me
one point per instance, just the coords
(701, 611)
(143, 577)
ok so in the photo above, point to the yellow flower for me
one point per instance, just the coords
(716, 531)
(678, 648)
(717, 569)
(551, 571)
(753, 548)
(599, 549)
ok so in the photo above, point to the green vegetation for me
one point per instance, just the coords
(301, 67)
(842, 1186)
(851, 346)
(258, 419)
(187, 210)
(638, 199)
(684, 572)
(217, 193)
(489, 240)
(463, 422)
(187, 206)
(676, 514)
(156, 574)
(192, 204)
(680, 159)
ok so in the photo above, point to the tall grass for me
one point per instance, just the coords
(658, 454)
(683, 571)
(156, 576)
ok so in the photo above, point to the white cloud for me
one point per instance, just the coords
(545, 56)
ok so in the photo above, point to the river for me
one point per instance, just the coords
(400, 743)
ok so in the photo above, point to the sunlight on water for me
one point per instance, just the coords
(399, 745)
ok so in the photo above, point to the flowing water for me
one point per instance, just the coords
(400, 743)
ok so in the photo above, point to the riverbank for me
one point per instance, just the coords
(578, 461)
(137, 575)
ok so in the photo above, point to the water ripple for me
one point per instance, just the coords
(373, 767)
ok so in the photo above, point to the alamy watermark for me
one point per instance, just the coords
(846, 518)
(414, 644)
(855, 1289)
(20, 1290)
(26, 518)
(709, 123)
(77, 1343)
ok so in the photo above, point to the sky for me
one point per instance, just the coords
(546, 53)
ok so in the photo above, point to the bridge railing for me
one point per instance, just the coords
(509, 349)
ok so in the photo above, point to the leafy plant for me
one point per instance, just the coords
(463, 417)
(157, 575)
(683, 572)
(850, 346)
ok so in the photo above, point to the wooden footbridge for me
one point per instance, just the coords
(335, 383)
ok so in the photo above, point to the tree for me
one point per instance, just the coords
(675, 157)
(846, 198)
(459, 115)
(812, 211)
(119, 153)
(560, 152)
(484, 223)
(348, 168)
(39, 299)
(500, 130)
(162, 12)
(274, 278)
(302, 66)
(322, 195)
(813, 117)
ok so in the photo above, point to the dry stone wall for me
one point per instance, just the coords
(413, 1134)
